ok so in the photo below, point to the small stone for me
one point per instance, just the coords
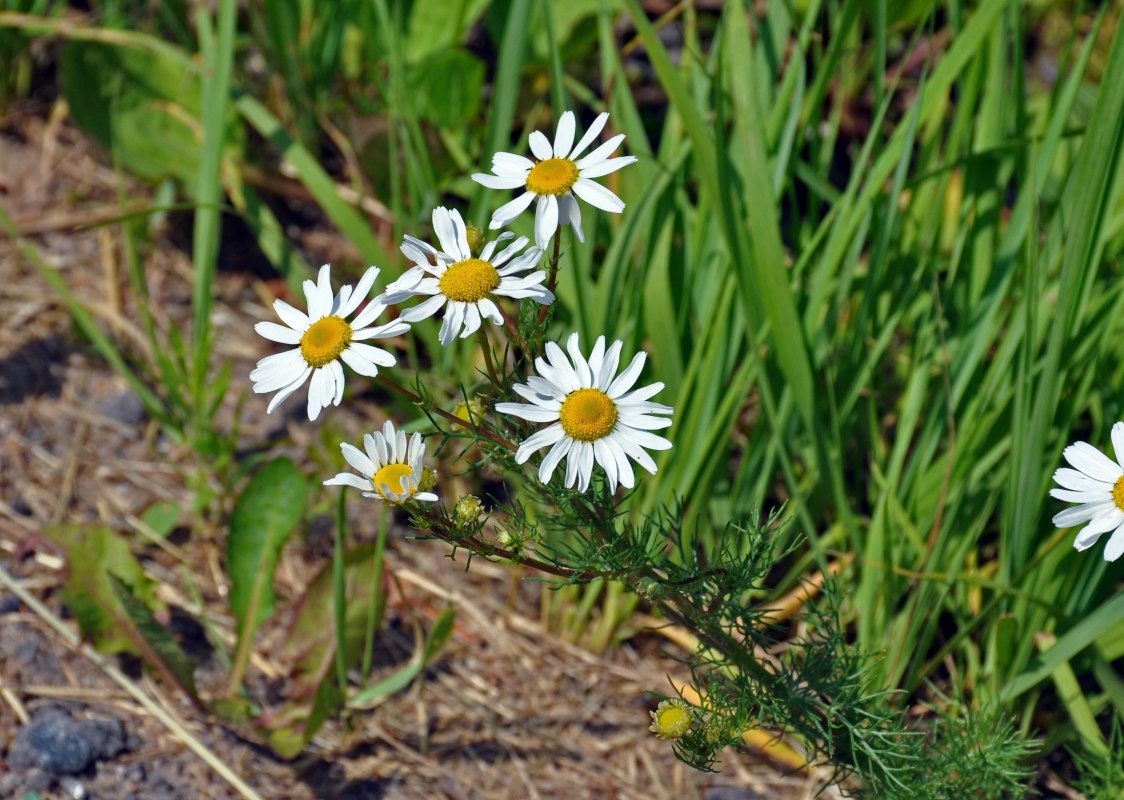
(9, 603)
(61, 745)
(126, 407)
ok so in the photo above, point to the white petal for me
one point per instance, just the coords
(596, 357)
(451, 324)
(297, 320)
(321, 297)
(590, 135)
(1083, 496)
(581, 367)
(1118, 442)
(597, 195)
(624, 381)
(375, 355)
(362, 291)
(606, 167)
(1092, 462)
(297, 383)
(499, 181)
(511, 250)
(604, 456)
(510, 163)
(570, 214)
(316, 392)
(511, 210)
(567, 377)
(358, 364)
(634, 451)
(573, 461)
(521, 410)
(585, 465)
(348, 479)
(601, 153)
(337, 380)
(278, 333)
(644, 422)
(540, 146)
(446, 232)
(544, 438)
(471, 320)
(358, 459)
(556, 454)
(546, 219)
(624, 466)
(564, 136)
(1079, 481)
(489, 309)
(649, 441)
(1068, 517)
(390, 329)
(368, 315)
(424, 310)
(1115, 547)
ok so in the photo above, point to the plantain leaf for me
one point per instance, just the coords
(263, 518)
(153, 640)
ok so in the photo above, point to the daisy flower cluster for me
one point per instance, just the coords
(592, 412)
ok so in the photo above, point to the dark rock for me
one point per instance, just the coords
(61, 745)
(125, 406)
(20, 506)
(9, 603)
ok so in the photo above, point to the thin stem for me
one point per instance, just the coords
(392, 384)
(552, 278)
(338, 597)
(486, 348)
(376, 603)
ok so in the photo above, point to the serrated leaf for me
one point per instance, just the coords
(264, 516)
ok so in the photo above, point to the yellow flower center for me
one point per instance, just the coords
(325, 340)
(672, 721)
(469, 280)
(1118, 493)
(588, 415)
(553, 176)
(391, 477)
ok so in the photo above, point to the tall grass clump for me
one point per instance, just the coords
(872, 258)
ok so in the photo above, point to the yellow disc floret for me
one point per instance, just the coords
(1118, 493)
(588, 415)
(389, 479)
(671, 719)
(325, 340)
(469, 280)
(553, 176)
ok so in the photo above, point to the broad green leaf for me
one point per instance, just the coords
(448, 87)
(161, 517)
(264, 517)
(142, 105)
(438, 24)
(95, 557)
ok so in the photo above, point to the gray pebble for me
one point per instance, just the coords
(125, 406)
(61, 745)
(73, 787)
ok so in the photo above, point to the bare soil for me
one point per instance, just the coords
(509, 709)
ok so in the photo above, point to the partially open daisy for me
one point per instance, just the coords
(1097, 484)
(557, 179)
(671, 719)
(595, 417)
(325, 338)
(464, 284)
(390, 470)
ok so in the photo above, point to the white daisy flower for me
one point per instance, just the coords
(326, 338)
(595, 417)
(461, 283)
(1097, 484)
(557, 179)
(390, 467)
